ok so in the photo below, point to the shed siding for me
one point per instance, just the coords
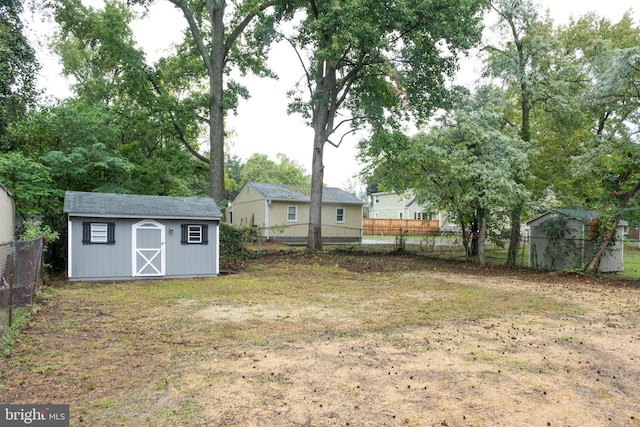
(114, 262)
(613, 258)
(541, 253)
(101, 261)
(190, 260)
(575, 251)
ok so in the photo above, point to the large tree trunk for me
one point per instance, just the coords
(322, 123)
(514, 239)
(314, 238)
(482, 239)
(216, 112)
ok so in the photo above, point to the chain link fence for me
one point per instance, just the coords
(21, 266)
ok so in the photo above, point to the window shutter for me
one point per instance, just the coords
(111, 233)
(86, 233)
(205, 234)
(185, 231)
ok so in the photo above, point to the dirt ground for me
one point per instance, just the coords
(186, 362)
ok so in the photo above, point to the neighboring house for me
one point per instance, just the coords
(7, 215)
(281, 213)
(559, 240)
(405, 206)
(122, 236)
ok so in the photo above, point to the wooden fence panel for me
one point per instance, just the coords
(393, 227)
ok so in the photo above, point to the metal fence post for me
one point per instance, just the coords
(11, 283)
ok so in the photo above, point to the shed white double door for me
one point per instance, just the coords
(148, 248)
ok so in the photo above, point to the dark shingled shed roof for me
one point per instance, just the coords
(301, 193)
(579, 214)
(78, 203)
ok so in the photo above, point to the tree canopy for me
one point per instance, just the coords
(379, 63)
(472, 164)
(18, 69)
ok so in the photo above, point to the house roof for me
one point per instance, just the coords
(301, 193)
(6, 189)
(411, 203)
(579, 214)
(78, 203)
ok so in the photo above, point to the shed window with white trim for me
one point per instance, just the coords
(98, 233)
(195, 234)
(339, 214)
(292, 213)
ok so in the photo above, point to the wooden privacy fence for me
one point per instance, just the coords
(393, 227)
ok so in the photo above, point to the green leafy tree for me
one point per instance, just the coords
(31, 184)
(259, 168)
(233, 165)
(190, 86)
(613, 152)
(376, 62)
(571, 112)
(521, 62)
(18, 69)
(472, 164)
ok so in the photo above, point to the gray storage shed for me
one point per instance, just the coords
(123, 236)
(559, 241)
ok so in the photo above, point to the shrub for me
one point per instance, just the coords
(233, 241)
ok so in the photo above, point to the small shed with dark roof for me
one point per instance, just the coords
(281, 213)
(124, 236)
(560, 239)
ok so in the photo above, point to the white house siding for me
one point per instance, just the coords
(279, 223)
(281, 227)
(390, 205)
(271, 217)
(7, 216)
(350, 229)
(248, 209)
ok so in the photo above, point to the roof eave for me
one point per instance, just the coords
(172, 217)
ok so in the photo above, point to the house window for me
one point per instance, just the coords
(376, 214)
(400, 215)
(377, 199)
(339, 214)
(418, 215)
(98, 233)
(195, 234)
(292, 213)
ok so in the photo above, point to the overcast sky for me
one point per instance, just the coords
(262, 124)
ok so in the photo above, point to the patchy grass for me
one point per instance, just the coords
(631, 261)
(335, 338)
(21, 316)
